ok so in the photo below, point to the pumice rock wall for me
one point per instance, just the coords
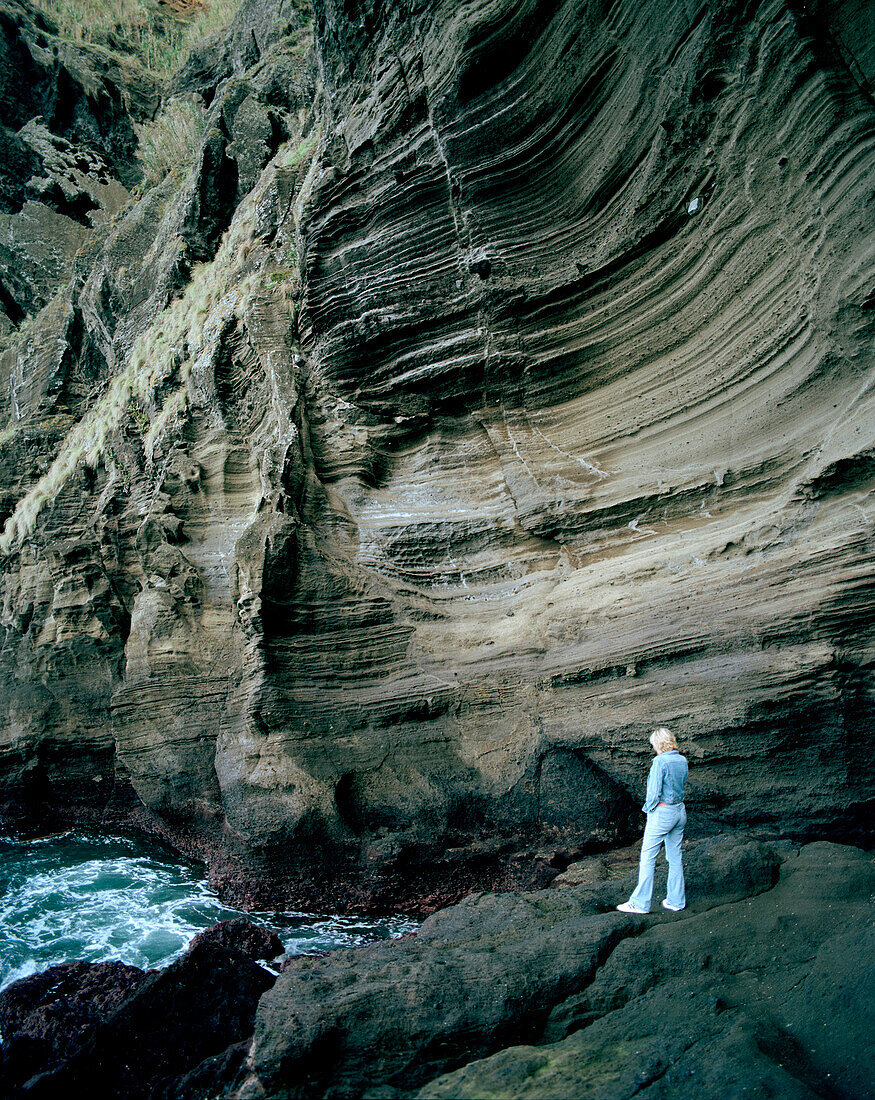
(493, 385)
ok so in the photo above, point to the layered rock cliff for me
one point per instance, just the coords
(493, 383)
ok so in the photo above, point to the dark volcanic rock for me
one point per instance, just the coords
(769, 998)
(83, 94)
(765, 996)
(727, 869)
(178, 1018)
(243, 936)
(62, 1005)
(23, 1057)
(473, 978)
(720, 869)
(208, 1080)
(258, 25)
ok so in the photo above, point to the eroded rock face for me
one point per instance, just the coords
(450, 425)
(106, 615)
(588, 400)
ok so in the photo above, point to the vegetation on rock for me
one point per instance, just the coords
(158, 33)
(170, 140)
(464, 404)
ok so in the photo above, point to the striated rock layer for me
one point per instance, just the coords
(378, 482)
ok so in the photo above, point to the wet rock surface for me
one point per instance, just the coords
(110, 1031)
(244, 937)
(762, 986)
(61, 1005)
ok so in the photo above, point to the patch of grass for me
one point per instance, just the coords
(170, 417)
(171, 139)
(281, 275)
(187, 329)
(158, 34)
(8, 434)
(183, 335)
(139, 416)
(294, 153)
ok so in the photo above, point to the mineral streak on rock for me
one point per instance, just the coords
(477, 397)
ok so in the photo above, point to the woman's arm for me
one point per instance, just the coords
(654, 786)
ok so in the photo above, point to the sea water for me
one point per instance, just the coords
(78, 896)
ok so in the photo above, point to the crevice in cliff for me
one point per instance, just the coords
(453, 194)
(10, 306)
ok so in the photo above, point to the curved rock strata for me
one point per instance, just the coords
(487, 388)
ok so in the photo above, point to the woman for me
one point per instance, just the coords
(666, 818)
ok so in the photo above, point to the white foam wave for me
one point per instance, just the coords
(103, 898)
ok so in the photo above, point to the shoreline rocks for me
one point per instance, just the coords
(479, 975)
(111, 1031)
(763, 983)
(769, 998)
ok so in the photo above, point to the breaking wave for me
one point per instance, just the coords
(77, 896)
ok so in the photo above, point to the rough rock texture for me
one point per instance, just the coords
(100, 599)
(772, 998)
(68, 144)
(243, 936)
(180, 1031)
(60, 1006)
(771, 992)
(257, 27)
(467, 405)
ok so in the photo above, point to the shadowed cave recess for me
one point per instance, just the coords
(482, 385)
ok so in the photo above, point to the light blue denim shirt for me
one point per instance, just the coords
(665, 783)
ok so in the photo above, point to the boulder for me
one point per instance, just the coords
(60, 1006)
(243, 936)
(178, 1018)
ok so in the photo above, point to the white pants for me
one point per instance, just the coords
(665, 825)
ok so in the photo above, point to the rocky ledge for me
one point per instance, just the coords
(761, 988)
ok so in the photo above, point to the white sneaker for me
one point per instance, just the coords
(628, 907)
(674, 908)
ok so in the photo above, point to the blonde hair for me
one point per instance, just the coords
(662, 739)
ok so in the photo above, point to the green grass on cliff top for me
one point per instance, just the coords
(158, 33)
